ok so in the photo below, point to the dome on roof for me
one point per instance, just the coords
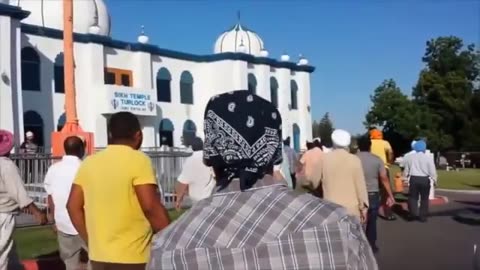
(87, 13)
(239, 39)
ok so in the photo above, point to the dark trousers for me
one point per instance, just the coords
(419, 187)
(294, 180)
(372, 214)
(117, 266)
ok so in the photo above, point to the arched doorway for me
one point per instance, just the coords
(189, 132)
(32, 121)
(166, 132)
(252, 83)
(293, 95)
(61, 121)
(163, 85)
(58, 75)
(31, 72)
(296, 138)
(274, 91)
(186, 88)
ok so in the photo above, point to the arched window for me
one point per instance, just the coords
(166, 132)
(58, 74)
(61, 121)
(293, 95)
(189, 131)
(33, 122)
(163, 85)
(252, 83)
(30, 69)
(296, 138)
(274, 91)
(186, 88)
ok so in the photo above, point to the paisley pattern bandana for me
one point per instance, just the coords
(243, 137)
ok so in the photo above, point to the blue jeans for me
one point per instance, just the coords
(372, 214)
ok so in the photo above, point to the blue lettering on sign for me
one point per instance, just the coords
(132, 102)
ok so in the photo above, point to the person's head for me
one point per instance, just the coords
(286, 142)
(341, 139)
(6, 143)
(243, 138)
(310, 145)
(317, 142)
(376, 134)
(124, 128)
(29, 136)
(420, 146)
(364, 144)
(74, 146)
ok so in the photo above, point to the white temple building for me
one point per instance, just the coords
(166, 89)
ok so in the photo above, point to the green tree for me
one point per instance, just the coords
(315, 129)
(445, 104)
(401, 119)
(446, 88)
(325, 129)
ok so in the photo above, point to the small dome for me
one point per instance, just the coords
(48, 13)
(142, 38)
(231, 40)
(285, 57)
(302, 61)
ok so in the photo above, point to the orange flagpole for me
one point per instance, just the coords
(72, 126)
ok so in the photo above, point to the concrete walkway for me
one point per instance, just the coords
(444, 243)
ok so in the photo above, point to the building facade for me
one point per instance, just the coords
(168, 90)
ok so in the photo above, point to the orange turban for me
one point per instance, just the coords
(376, 134)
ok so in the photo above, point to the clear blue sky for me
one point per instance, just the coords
(354, 45)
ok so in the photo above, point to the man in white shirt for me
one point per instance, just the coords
(58, 183)
(195, 176)
(420, 171)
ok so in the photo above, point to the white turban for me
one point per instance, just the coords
(341, 138)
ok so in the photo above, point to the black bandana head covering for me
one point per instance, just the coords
(243, 137)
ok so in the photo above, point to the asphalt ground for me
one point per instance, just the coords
(445, 242)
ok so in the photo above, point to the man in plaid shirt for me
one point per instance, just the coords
(254, 221)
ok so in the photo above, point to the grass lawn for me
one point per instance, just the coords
(467, 179)
(34, 242)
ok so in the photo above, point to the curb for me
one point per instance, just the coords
(439, 200)
(52, 263)
(459, 191)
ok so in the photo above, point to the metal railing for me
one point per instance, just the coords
(167, 164)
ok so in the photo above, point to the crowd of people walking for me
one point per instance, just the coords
(243, 179)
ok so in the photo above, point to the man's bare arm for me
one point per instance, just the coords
(390, 156)
(180, 191)
(51, 209)
(76, 211)
(386, 184)
(149, 199)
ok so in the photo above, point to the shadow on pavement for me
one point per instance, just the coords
(469, 203)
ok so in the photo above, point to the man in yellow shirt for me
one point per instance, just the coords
(114, 203)
(384, 151)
